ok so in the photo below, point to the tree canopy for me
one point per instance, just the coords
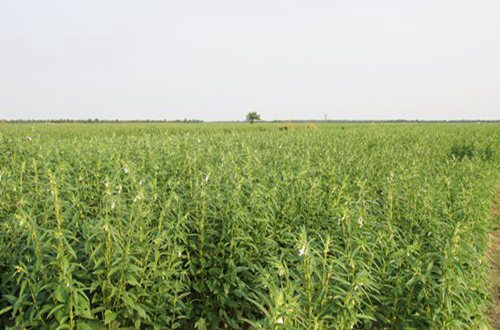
(252, 116)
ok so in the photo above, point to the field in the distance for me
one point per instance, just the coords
(246, 226)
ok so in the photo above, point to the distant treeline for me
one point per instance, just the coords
(345, 121)
(386, 121)
(92, 121)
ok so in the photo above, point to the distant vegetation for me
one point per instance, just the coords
(246, 119)
(252, 117)
(232, 226)
(95, 120)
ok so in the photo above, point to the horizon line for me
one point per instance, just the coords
(185, 120)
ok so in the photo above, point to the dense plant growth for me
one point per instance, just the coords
(234, 226)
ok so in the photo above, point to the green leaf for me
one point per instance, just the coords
(82, 306)
(201, 324)
(89, 325)
(5, 310)
(130, 279)
(109, 317)
(61, 293)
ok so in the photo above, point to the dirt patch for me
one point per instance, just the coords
(494, 256)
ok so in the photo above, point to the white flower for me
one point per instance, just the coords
(125, 169)
(361, 221)
(302, 251)
(340, 220)
(113, 205)
(140, 182)
(207, 177)
(280, 320)
(106, 184)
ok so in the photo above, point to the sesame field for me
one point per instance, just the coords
(240, 226)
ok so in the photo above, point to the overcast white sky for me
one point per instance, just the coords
(217, 60)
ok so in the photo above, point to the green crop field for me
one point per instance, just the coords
(227, 226)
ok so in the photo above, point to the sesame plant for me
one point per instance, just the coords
(229, 226)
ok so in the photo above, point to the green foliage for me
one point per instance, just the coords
(470, 149)
(189, 226)
(252, 116)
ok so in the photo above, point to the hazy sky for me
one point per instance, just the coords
(217, 60)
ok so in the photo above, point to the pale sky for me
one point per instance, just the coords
(217, 60)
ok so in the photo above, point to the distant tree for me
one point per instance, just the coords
(252, 116)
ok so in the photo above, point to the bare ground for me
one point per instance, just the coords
(494, 255)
